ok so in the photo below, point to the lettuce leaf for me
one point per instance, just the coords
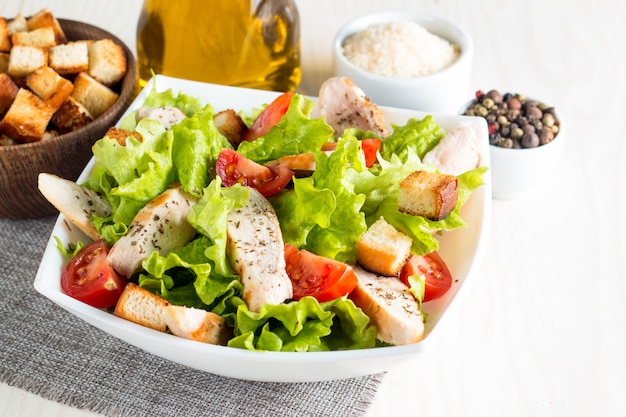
(294, 134)
(132, 175)
(197, 144)
(303, 326)
(331, 224)
(420, 136)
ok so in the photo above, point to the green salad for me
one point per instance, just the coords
(324, 213)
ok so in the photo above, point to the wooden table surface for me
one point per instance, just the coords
(543, 331)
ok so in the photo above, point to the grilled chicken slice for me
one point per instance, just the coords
(197, 324)
(168, 116)
(76, 202)
(390, 306)
(256, 251)
(343, 105)
(457, 152)
(302, 164)
(160, 226)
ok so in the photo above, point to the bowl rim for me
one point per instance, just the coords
(361, 23)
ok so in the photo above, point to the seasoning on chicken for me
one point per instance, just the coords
(256, 251)
(76, 202)
(161, 225)
(457, 152)
(344, 105)
(390, 306)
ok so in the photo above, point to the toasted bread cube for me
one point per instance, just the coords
(428, 194)
(69, 58)
(95, 96)
(4, 62)
(42, 37)
(17, 24)
(121, 135)
(27, 118)
(382, 249)
(25, 59)
(45, 18)
(50, 87)
(5, 38)
(8, 92)
(6, 141)
(142, 307)
(71, 116)
(107, 62)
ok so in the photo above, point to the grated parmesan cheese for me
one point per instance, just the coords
(400, 49)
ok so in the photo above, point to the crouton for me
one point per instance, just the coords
(25, 59)
(8, 91)
(5, 38)
(107, 62)
(382, 249)
(17, 24)
(93, 95)
(69, 58)
(428, 194)
(27, 118)
(230, 125)
(45, 18)
(71, 116)
(53, 89)
(197, 324)
(120, 135)
(6, 141)
(4, 61)
(42, 37)
(142, 307)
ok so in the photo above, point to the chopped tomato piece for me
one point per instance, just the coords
(234, 168)
(269, 117)
(88, 277)
(438, 277)
(318, 276)
(368, 146)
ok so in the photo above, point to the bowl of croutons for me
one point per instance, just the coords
(63, 84)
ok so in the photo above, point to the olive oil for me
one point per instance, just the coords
(244, 43)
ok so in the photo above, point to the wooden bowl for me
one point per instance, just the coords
(65, 155)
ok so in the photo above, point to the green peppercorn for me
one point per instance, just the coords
(517, 133)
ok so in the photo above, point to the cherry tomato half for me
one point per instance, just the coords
(88, 277)
(269, 117)
(438, 277)
(318, 276)
(234, 168)
(368, 146)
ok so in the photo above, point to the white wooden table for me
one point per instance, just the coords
(543, 332)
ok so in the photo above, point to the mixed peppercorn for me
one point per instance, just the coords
(513, 120)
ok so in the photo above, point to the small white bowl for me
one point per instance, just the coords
(442, 92)
(517, 172)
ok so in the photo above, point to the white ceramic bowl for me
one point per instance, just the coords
(462, 249)
(442, 92)
(517, 172)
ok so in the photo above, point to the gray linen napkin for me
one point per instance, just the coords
(49, 352)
